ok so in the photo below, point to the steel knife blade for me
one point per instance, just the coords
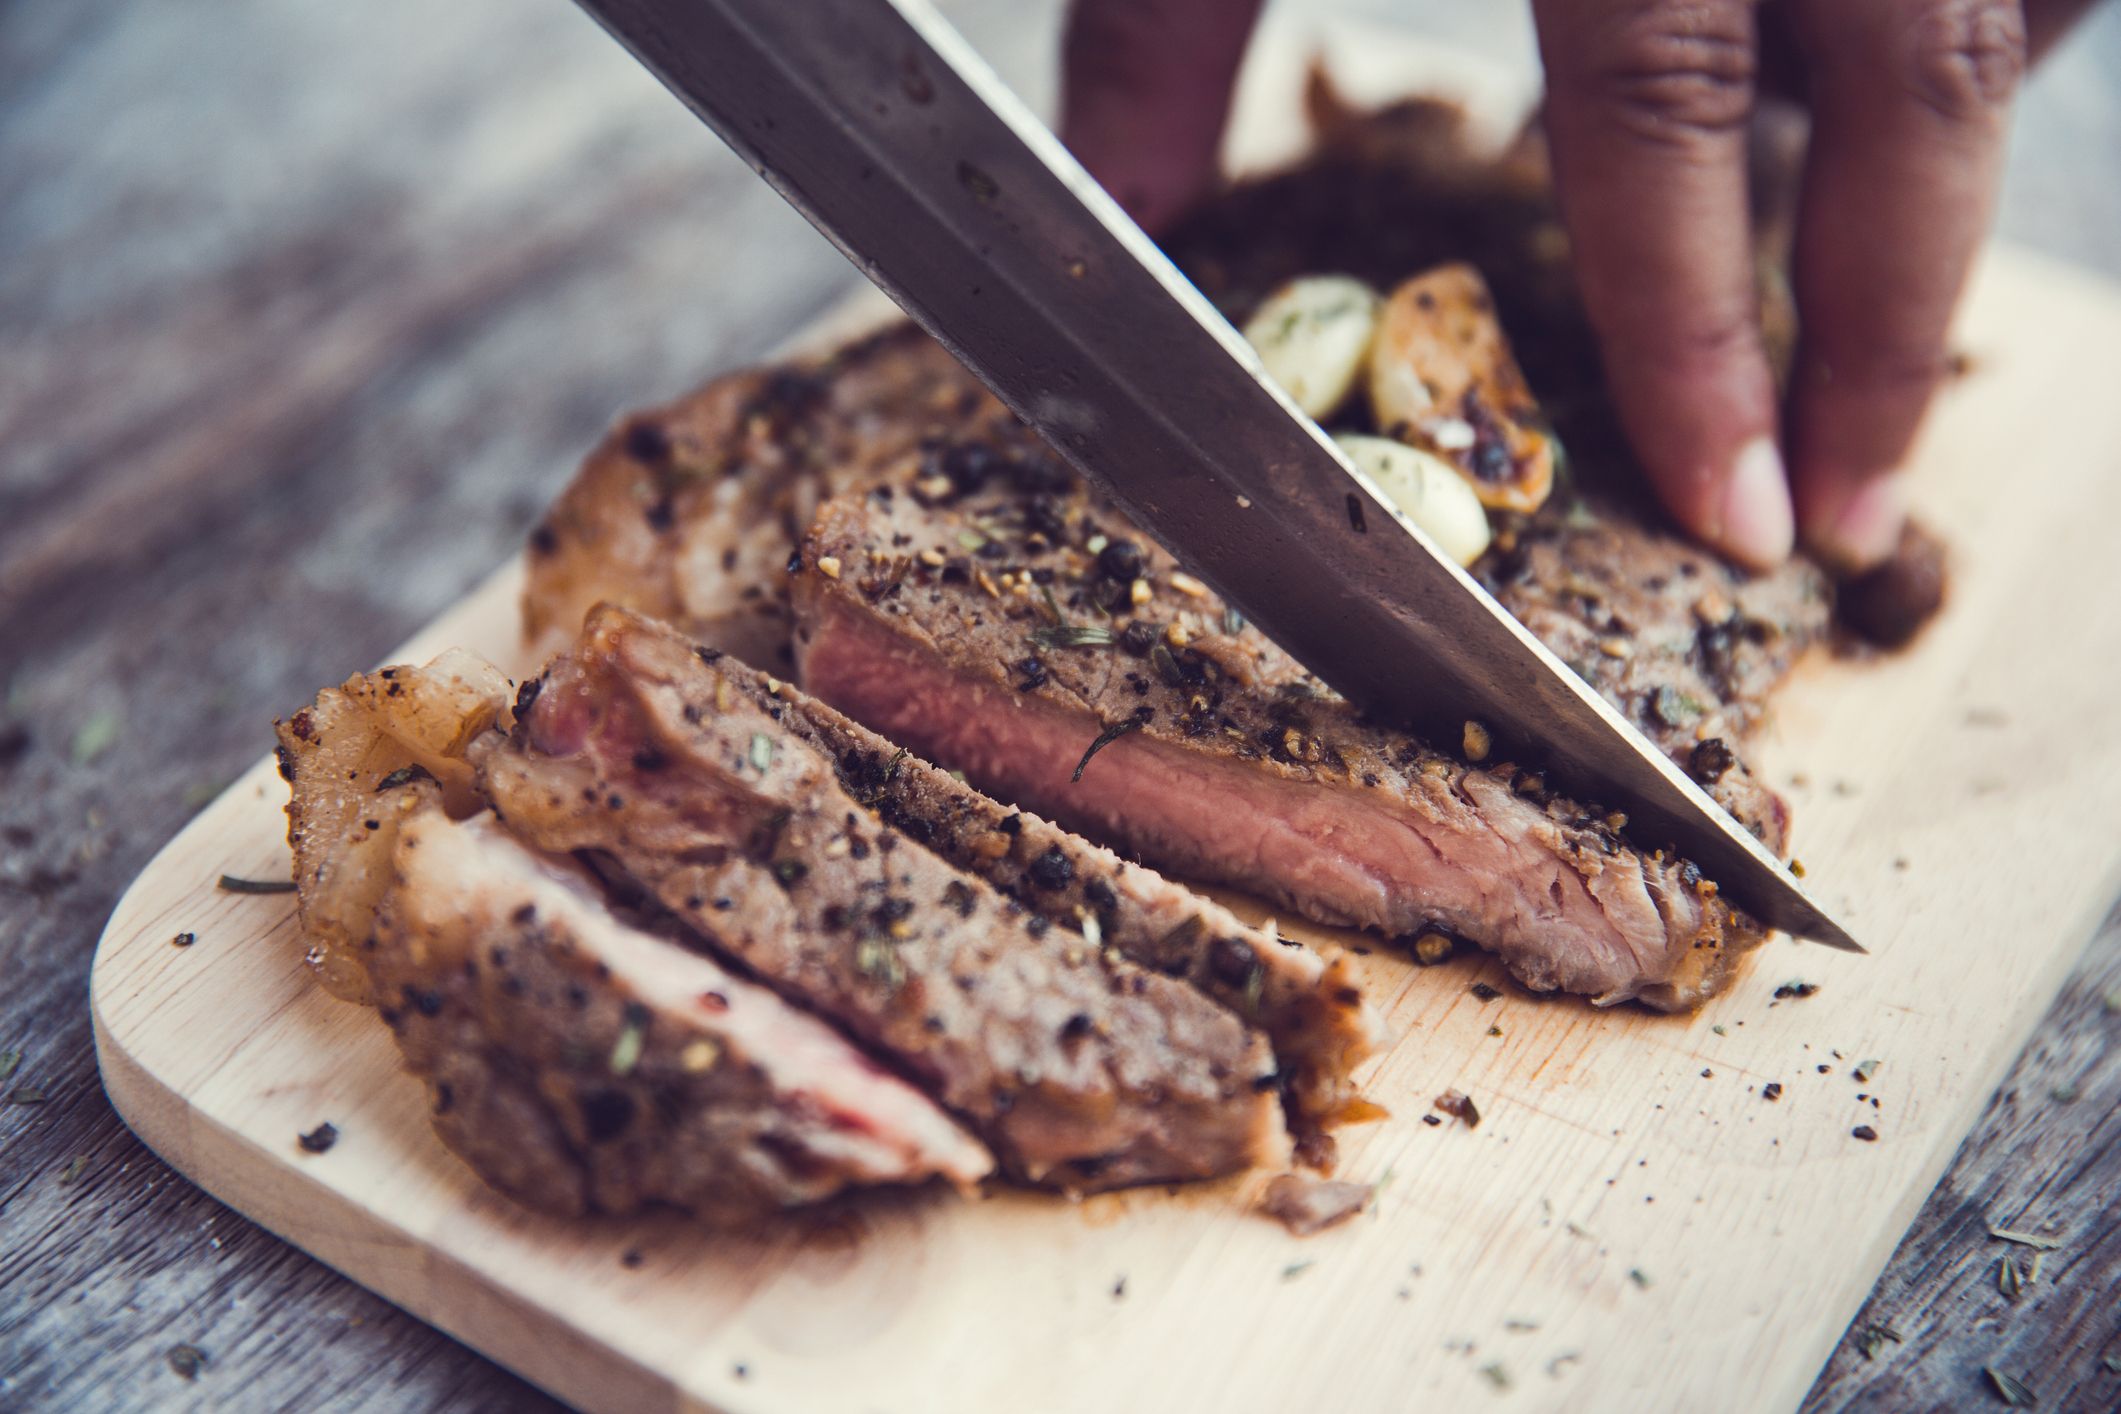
(882, 126)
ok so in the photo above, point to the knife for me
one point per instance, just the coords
(877, 122)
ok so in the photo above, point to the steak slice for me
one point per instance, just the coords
(1686, 646)
(583, 1065)
(1310, 1008)
(1078, 1068)
(352, 760)
(985, 631)
(689, 512)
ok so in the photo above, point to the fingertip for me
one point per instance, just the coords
(1854, 525)
(1757, 524)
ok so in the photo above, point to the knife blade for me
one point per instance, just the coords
(881, 125)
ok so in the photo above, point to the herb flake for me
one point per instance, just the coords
(626, 1051)
(1872, 1339)
(2030, 1239)
(2014, 1391)
(1109, 735)
(1073, 636)
(232, 884)
(403, 776)
(94, 737)
(9, 1061)
(761, 752)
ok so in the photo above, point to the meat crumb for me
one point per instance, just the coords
(1457, 1102)
(1307, 1205)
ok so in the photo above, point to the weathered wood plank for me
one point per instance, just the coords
(303, 311)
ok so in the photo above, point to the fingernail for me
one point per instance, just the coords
(1863, 530)
(1758, 524)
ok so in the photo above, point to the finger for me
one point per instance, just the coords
(1910, 101)
(1648, 107)
(1146, 92)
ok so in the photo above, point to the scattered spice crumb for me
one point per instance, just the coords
(1789, 990)
(25, 1095)
(1494, 1030)
(184, 940)
(631, 1258)
(1565, 1358)
(1707, 1074)
(1638, 1276)
(1718, 1029)
(1483, 991)
(320, 1139)
(1430, 1120)
(1865, 1069)
(1307, 1205)
(2030, 1239)
(1119, 1288)
(1872, 1339)
(186, 1360)
(1460, 1104)
(741, 1371)
(2064, 1094)
(1497, 1376)
(1864, 1132)
(1295, 1270)
(1771, 1091)
(1518, 1323)
(8, 1061)
(71, 1174)
(2008, 1280)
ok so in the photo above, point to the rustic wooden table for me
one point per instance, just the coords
(305, 309)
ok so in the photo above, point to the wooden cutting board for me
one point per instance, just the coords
(1631, 1225)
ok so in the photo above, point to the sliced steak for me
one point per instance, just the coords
(1003, 635)
(583, 1065)
(1080, 1069)
(1309, 1007)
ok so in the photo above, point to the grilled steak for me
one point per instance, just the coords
(677, 766)
(1310, 1008)
(1220, 757)
(583, 1065)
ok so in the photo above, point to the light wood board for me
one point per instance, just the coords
(1632, 1225)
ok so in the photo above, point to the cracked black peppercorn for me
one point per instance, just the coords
(1052, 870)
(1120, 560)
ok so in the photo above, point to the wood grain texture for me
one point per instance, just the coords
(266, 405)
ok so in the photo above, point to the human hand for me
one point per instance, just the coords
(1649, 107)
